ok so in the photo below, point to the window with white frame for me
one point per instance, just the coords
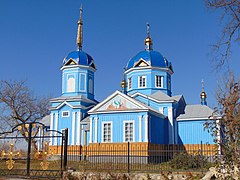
(159, 81)
(107, 132)
(70, 83)
(128, 131)
(142, 81)
(130, 83)
(65, 114)
(90, 86)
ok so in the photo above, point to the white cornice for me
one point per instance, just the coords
(149, 67)
(78, 66)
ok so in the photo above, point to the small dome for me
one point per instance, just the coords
(80, 58)
(152, 58)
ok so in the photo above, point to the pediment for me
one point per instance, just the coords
(70, 62)
(117, 102)
(141, 63)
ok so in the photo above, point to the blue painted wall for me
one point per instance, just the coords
(150, 81)
(83, 77)
(192, 132)
(158, 130)
(117, 120)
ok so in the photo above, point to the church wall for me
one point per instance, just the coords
(161, 107)
(192, 132)
(117, 120)
(158, 131)
(81, 82)
(150, 81)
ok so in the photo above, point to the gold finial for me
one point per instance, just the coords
(203, 95)
(79, 34)
(148, 40)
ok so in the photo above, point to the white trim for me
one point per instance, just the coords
(200, 118)
(145, 81)
(72, 83)
(146, 128)
(96, 130)
(141, 59)
(129, 87)
(51, 128)
(149, 67)
(73, 107)
(129, 121)
(85, 81)
(148, 97)
(91, 132)
(78, 139)
(140, 128)
(111, 133)
(161, 81)
(171, 131)
(78, 66)
(73, 128)
(56, 128)
(65, 112)
(72, 98)
(114, 95)
(90, 85)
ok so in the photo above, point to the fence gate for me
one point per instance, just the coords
(26, 151)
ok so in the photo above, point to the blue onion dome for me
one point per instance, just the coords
(152, 58)
(149, 57)
(79, 57)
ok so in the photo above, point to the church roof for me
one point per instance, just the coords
(79, 57)
(196, 111)
(152, 58)
(73, 98)
(160, 96)
(46, 120)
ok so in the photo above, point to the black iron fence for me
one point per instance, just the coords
(134, 157)
(24, 151)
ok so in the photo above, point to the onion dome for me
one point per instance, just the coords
(78, 57)
(149, 57)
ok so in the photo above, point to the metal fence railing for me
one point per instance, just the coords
(132, 157)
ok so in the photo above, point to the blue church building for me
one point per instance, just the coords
(144, 112)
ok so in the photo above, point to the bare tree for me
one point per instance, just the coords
(19, 105)
(231, 18)
(227, 129)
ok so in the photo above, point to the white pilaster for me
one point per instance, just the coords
(146, 128)
(51, 128)
(171, 131)
(96, 130)
(140, 128)
(91, 130)
(78, 138)
(55, 128)
(73, 128)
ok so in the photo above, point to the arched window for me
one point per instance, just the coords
(90, 86)
(70, 83)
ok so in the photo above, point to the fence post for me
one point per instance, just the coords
(128, 157)
(29, 148)
(65, 148)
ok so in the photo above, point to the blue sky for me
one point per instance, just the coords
(35, 36)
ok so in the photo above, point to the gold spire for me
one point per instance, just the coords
(79, 34)
(148, 40)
